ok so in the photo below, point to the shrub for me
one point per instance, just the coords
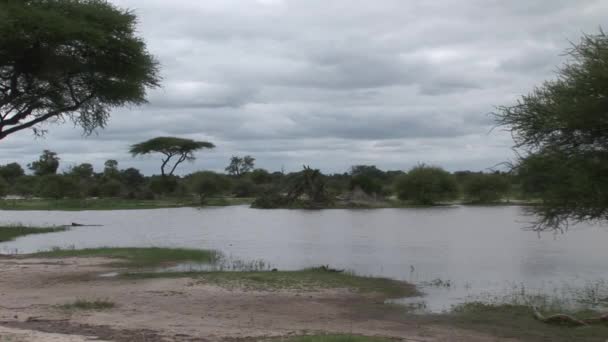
(3, 187)
(57, 186)
(426, 185)
(244, 188)
(111, 188)
(368, 184)
(486, 188)
(207, 183)
(163, 185)
(26, 185)
(260, 176)
(269, 199)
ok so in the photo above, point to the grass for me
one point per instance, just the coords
(82, 304)
(9, 233)
(335, 338)
(227, 201)
(308, 279)
(518, 322)
(112, 203)
(137, 257)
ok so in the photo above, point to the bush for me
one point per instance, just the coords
(111, 188)
(3, 187)
(57, 186)
(260, 176)
(94, 190)
(486, 188)
(207, 183)
(163, 185)
(26, 185)
(132, 178)
(368, 184)
(244, 188)
(145, 195)
(270, 199)
(10, 172)
(426, 185)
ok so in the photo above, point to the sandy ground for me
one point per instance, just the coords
(184, 309)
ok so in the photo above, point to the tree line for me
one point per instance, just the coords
(425, 185)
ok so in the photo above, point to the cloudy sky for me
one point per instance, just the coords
(332, 83)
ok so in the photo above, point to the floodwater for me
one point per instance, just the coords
(456, 253)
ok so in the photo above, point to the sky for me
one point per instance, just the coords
(330, 84)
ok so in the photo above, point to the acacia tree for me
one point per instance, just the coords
(110, 169)
(47, 164)
(83, 171)
(74, 59)
(170, 147)
(240, 165)
(561, 132)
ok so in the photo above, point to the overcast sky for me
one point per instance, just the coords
(331, 83)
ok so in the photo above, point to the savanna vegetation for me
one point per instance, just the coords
(561, 134)
(8, 233)
(80, 186)
(78, 60)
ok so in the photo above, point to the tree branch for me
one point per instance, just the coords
(29, 124)
(165, 161)
(179, 161)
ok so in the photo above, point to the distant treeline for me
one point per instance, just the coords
(425, 185)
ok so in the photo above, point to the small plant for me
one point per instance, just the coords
(438, 283)
(83, 304)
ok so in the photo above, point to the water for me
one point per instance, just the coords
(455, 252)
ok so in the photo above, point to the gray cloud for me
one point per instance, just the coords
(332, 83)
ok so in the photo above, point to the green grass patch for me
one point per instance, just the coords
(308, 279)
(137, 257)
(228, 201)
(9, 233)
(518, 321)
(336, 338)
(113, 203)
(90, 305)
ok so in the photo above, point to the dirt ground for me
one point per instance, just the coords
(184, 309)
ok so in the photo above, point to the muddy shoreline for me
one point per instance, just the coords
(184, 309)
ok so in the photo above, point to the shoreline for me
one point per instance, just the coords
(121, 204)
(189, 309)
(76, 295)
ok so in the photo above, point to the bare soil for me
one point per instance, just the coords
(184, 309)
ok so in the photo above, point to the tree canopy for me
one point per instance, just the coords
(207, 184)
(84, 171)
(47, 164)
(561, 132)
(170, 147)
(426, 185)
(240, 165)
(486, 188)
(74, 59)
(11, 171)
